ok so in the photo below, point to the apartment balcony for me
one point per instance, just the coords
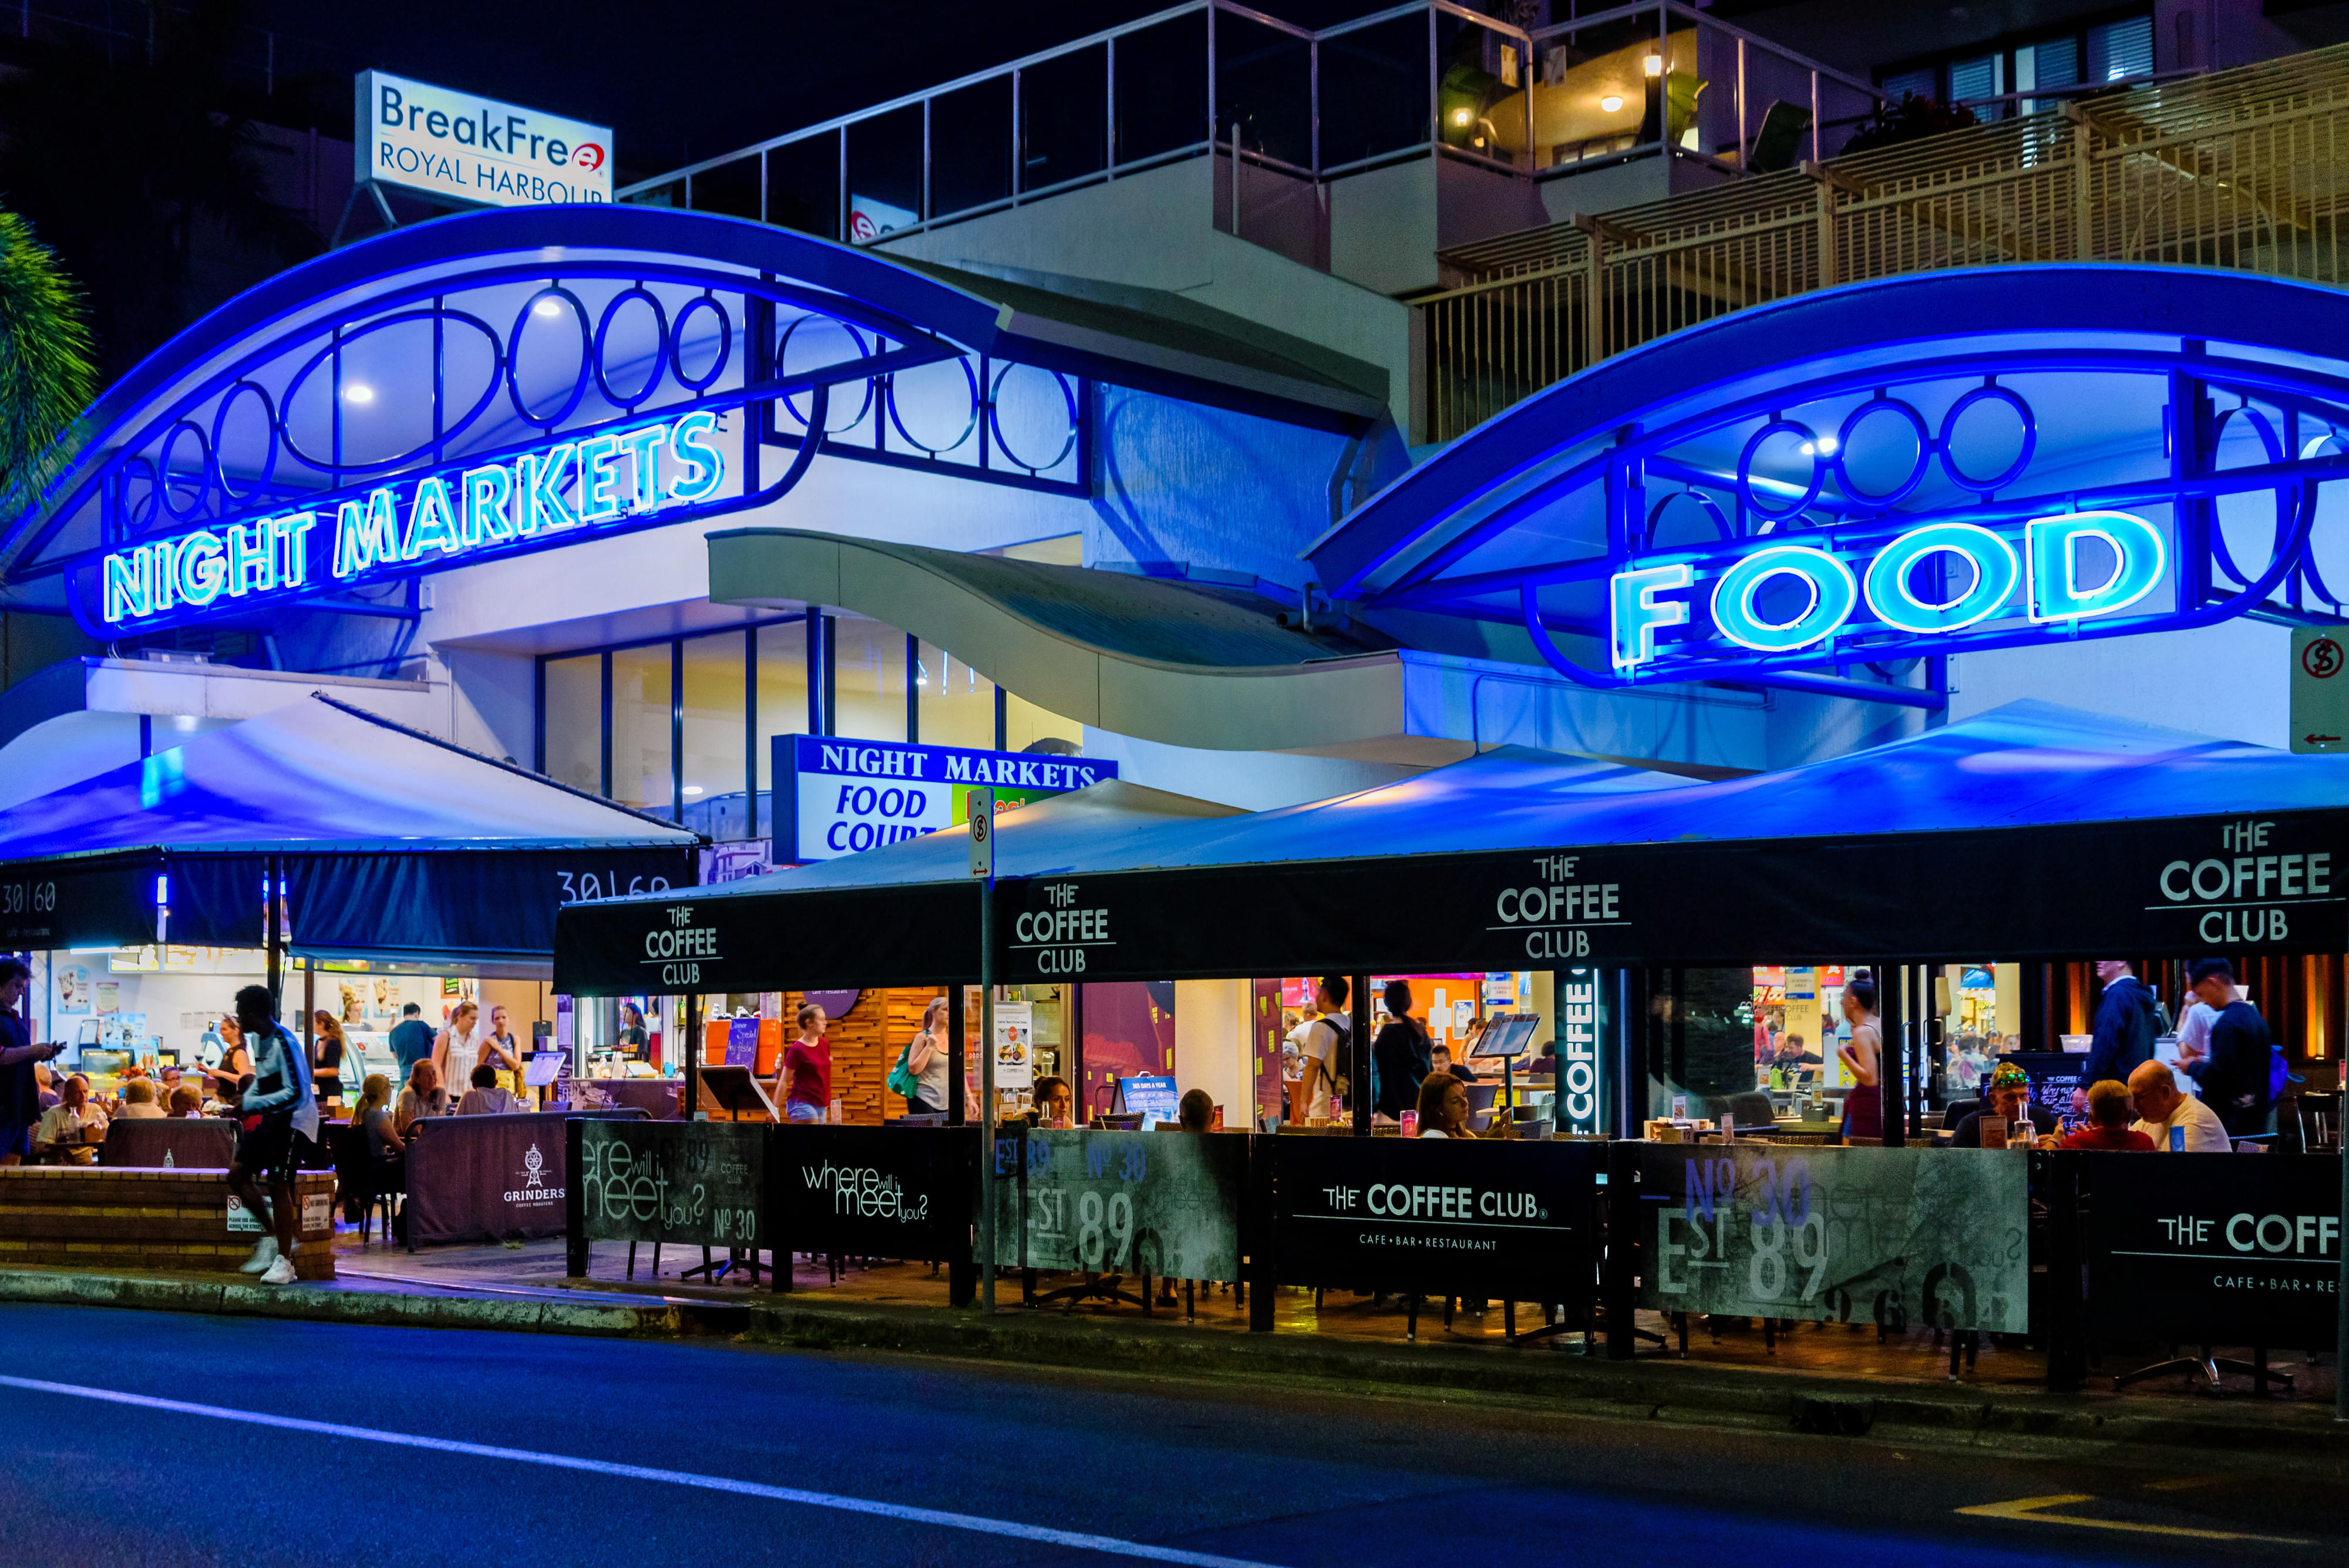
(2239, 168)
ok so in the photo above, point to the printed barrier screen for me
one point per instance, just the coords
(691, 1183)
(2214, 1249)
(1121, 1202)
(1842, 1235)
(885, 1192)
(1440, 1215)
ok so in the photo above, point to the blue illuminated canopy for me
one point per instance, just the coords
(1800, 494)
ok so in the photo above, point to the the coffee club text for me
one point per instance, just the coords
(421, 522)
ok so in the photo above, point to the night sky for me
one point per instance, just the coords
(683, 79)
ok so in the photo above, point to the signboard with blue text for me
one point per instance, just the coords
(837, 796)
(460, 148)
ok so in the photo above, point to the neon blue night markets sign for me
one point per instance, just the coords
(423, 522)
(1644, 601)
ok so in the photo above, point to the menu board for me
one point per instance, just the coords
(1121, 1202)
(1837, 1235)
(695, 1183)
(2215, 1249)
(1450, 1216)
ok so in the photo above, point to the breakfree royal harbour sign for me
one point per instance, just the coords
(442, 517)
(850, 796)
(475, 152)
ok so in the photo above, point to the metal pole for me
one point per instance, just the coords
(987, 1092)
(2341, 1321)
(272, 934)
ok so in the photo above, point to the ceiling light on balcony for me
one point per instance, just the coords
(693, 789)
(359, 392)
(1460, 117)
(1653, 65)
(1610, 103)
(547, 306)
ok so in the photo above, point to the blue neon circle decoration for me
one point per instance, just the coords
(1746, 470)
(1995, 571)
(1834, 593)
(1881, 404)
(1989, 393)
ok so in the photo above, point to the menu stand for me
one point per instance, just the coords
(736, 1089)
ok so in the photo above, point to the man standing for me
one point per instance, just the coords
(2233, 1072)
(20, 1088)
(2178, 1123)
(1321, 1049)
(2125, 1024)
(412, 1040)
(277, 1116)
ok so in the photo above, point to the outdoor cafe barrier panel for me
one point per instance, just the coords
(495, 1178)
(1152, 1203)
(1443, 1216)
(697, 1184)
(2214, 1249)
(1896, 1236)
(880, 1192)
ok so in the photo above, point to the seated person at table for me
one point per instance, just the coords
(1197, 1113)
(139, 1101)
(1442, 1058)
(373, 1113)
(2109, 1121)
(1443, 1106)
(186, 1102)
(2010, 1101)
(423, 1097)
(487, 1097)
(1055, 1103)
(2174, 1121)
(73, 1122)
(46, 1077)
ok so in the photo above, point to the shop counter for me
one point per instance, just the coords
(489, 1179)
(184, 1143)
(657, 1097)
(99, 1217)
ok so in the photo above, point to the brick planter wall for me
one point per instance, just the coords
(97, 1216)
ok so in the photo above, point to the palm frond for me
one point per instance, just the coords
(47, 366)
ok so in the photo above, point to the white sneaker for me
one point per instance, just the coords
(264, 1256)
(281, 1272)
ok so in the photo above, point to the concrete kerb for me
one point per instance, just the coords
(1556, 1380)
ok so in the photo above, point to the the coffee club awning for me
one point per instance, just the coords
(388, 842)
(2031, 832)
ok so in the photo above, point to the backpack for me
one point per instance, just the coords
(2278, 1072)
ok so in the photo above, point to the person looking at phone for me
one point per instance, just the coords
(20, 1088)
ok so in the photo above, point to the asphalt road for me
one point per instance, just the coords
(136, 1439)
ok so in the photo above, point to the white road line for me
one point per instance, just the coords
(1110, 1544)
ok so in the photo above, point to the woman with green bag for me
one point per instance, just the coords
(920, 1074)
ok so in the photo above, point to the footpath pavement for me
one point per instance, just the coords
(1832, 1379)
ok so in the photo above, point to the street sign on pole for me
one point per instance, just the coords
(2320, 688)
(982, 865)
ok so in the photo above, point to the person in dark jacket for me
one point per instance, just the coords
(412, 1040)
(2233, 1072)
(1401, 1053)
(2127, 1019)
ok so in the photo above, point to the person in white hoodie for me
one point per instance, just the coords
(277, 1114)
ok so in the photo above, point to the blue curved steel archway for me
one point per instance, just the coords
(384, 374)
(1828, 427)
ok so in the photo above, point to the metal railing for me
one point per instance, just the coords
(2240, 168)
(1427, 79)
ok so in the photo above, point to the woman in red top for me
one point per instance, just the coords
(2109, 1121)
(805, 1078)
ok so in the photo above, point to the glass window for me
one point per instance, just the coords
(782, 700)
(715, 803)
(574, 721)
(1025, 724)
(868, 679)
(640, 729)
(958, 702)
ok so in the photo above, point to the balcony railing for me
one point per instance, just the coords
(1429, 78)
(2242, 169)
